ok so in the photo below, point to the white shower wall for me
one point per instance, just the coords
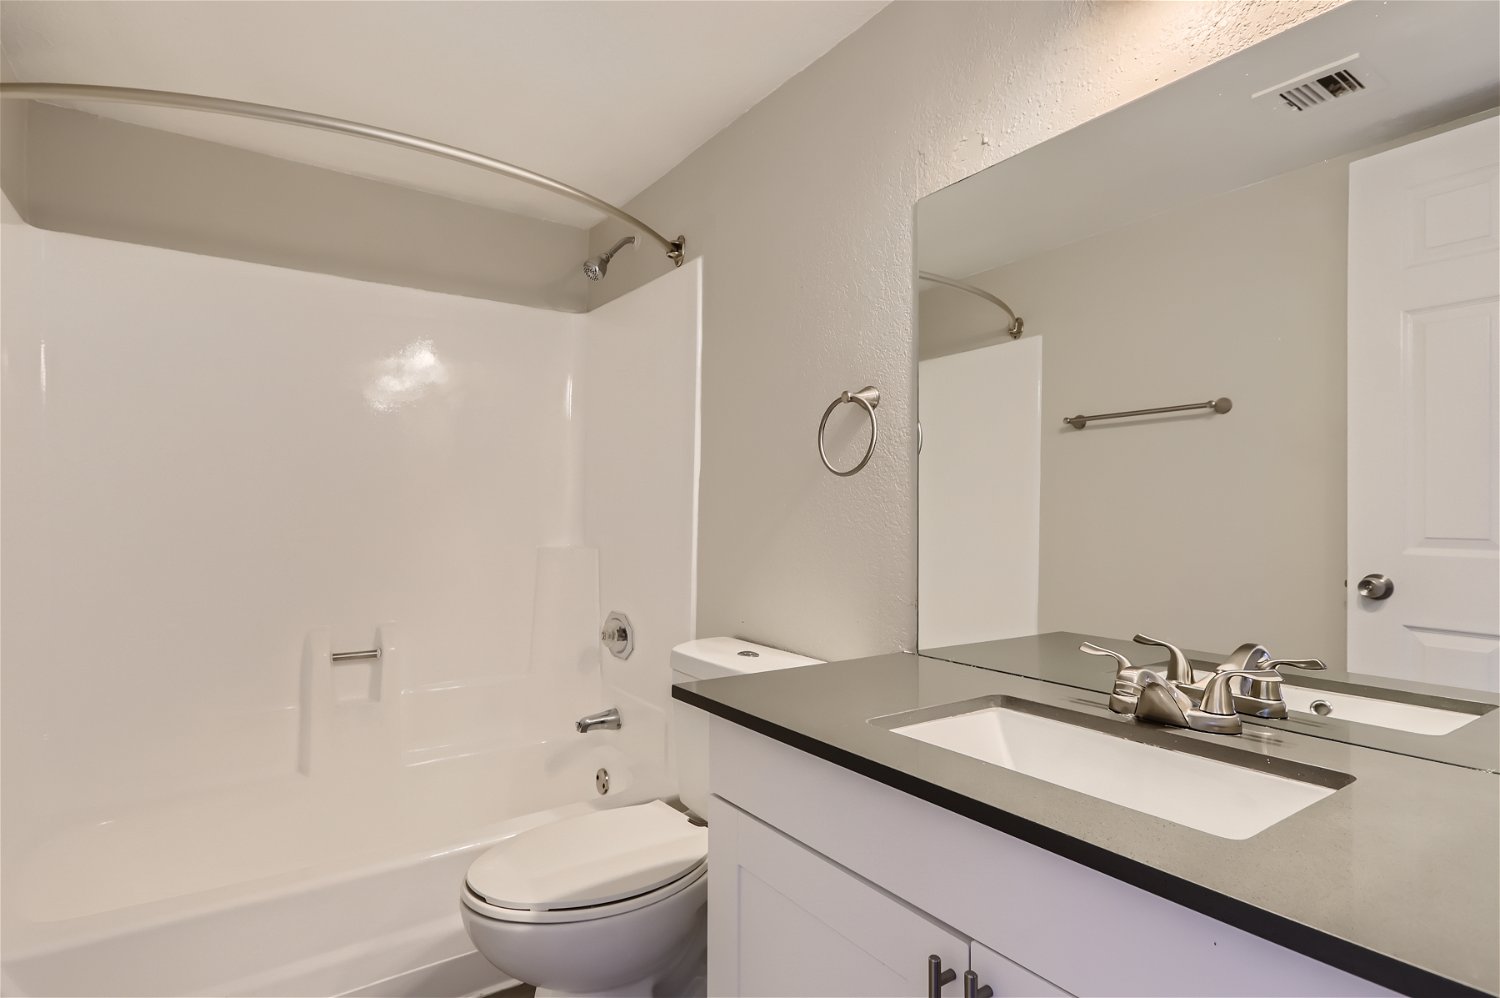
(214, 470)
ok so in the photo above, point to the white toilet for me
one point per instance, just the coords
(614, 902)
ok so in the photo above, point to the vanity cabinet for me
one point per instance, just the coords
(800, 925)
(828, 883)
(790, 923)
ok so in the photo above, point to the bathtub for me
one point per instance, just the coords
(297, 887)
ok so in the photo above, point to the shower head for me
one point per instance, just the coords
(595, 268)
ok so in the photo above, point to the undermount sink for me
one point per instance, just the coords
(1395, 711)
(1226, 792)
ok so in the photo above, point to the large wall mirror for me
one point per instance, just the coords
(1305, 235)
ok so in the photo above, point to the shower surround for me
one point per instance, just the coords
(216, 474)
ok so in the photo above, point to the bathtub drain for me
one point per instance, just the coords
(601, 781)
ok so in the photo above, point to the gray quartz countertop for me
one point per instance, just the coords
(1394, 878)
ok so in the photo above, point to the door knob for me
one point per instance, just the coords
(972, 988)
(1376, 587)
(937, 976)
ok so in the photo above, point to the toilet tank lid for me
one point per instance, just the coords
(590, 859)
(713, 658)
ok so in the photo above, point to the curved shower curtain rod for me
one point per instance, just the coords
(306, 119)
(1016, 321)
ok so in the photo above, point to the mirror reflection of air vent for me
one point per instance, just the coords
(1322, 85)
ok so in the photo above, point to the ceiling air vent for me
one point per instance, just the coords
(1321, 86)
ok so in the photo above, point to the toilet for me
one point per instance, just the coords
(614, 902)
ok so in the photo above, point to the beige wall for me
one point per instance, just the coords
(98, 177)
(802, 212)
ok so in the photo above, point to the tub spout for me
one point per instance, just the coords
(607, 719)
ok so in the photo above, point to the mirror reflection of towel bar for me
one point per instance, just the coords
(354, 656)
(1219, 405)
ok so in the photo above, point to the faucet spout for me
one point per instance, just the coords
(609, 720)
(1162, 702)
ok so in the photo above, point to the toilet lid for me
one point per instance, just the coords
(591, 859)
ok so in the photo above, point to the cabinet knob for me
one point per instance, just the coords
(937, 976)
(972, 988)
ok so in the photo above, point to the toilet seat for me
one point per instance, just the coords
(591, 866)
(543, 916)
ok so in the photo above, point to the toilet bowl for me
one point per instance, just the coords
(608, 903)
(614, 903)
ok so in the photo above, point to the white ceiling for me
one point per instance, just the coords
(607, 96)
(1203, 135)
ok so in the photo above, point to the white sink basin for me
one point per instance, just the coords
(1221, 798)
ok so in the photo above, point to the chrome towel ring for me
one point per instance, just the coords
(869, 397)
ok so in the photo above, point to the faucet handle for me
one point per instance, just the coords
(1217, 696)
(1127, 689)
(1121, 662)
(1314, 664)
(1179, 670)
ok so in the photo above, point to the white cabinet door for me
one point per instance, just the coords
(1006, 978)
(785, 922)
(1424, 408)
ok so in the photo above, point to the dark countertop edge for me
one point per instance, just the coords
(1371, 965)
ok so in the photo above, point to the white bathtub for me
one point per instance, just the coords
(292, 888)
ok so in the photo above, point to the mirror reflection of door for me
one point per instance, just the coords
(1424, 409)
(1331, 268)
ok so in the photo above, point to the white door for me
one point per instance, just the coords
(1424, 422)
(785, 922)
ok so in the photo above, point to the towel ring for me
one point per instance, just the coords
(869, 397)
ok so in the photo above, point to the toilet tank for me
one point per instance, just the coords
(712, 658)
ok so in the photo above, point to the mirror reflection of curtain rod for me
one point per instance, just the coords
(307, 119)
(1015, 320)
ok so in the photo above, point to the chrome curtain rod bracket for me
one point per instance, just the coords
(1016, 322)
(307, 119)
(1219, 405)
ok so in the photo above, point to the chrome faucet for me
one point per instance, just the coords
(1127, 689)
(1165, 703)
(1246, 684)
(606, 719)
(1261, 697)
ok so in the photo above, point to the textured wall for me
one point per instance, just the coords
(802, 211)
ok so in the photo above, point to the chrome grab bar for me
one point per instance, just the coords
(354, 656)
